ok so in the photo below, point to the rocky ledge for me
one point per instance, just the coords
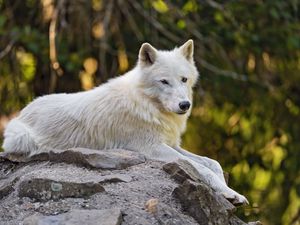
(84, 186)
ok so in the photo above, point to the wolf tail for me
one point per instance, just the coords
(18, 138)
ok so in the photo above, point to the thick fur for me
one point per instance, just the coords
(138, 111)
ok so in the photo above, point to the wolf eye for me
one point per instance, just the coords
(184, 79)
(164, 81)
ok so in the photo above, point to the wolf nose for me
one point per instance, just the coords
(185, 105)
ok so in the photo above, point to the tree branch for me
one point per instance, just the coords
(7, 49)
(154, 22)
(54, 64)
(130, 20)
(103, 40)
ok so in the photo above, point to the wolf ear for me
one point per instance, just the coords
(147, 54)
(187, 50)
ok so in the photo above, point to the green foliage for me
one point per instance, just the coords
(248, 54)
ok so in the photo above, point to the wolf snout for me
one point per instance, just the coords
(184, 105)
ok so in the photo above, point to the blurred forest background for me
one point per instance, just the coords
(247, 102)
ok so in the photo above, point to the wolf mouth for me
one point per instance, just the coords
(181, 113)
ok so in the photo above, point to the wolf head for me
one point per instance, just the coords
(167, 77)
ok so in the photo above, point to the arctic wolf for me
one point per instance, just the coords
(144, 110)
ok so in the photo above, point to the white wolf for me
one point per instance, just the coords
(144, 110)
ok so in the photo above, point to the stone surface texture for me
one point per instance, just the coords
(78, 217)
(84, 186)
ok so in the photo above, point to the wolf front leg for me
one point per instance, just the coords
(163, 152)
(209, 163)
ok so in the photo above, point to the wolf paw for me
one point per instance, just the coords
(236, 199)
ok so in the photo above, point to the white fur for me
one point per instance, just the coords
(135, 111)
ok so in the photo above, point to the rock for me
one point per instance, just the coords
(114, 178)
(61, 184)
(206, 206)
(165, 214)
(7, 186)
(181, 170)
(100, 159)
(78, 217)
(7, 166)
(14, 157)
(45, 189)
(234, 220)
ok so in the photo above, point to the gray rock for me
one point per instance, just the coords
(113, 178)
(165, 214)
(101, 159)
(70, 186)
(206, 206)
(13, 157)
(7, 166)
(78, 217)
(7, 186)
(181, 170)
(44, 189)
(76, 175)
(234, 220)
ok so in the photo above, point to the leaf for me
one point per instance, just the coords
(160, 6)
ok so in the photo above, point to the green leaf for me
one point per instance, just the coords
(160, 6)
(181, 24)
